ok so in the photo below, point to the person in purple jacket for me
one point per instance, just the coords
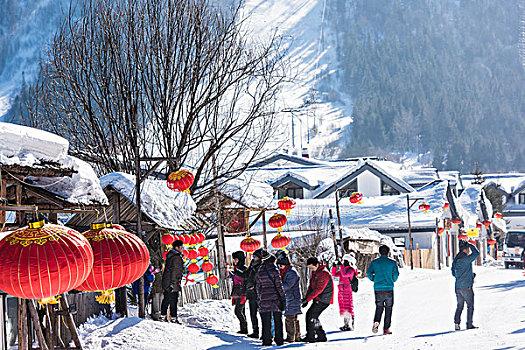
(238, 296)
(271, 298)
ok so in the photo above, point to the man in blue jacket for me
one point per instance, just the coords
(384, 272)
(462, 270)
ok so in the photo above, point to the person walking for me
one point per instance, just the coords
(321, 293)
(462, 271)
(383, 271)
(271, 299)
(292, 291)
(238, 296)
(346, 272)
(250, 291)
(171, 281)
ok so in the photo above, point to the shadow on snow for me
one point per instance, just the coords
(506, 286)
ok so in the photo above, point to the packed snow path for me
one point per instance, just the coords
(424, 305)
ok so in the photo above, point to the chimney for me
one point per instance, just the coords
(305, 152)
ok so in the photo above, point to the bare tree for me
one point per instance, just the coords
(178, 78)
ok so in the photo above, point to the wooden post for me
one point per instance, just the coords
(19, 214)
(121, 297)
(64, 303)
(37, 325)
(438, 245)
(22, 325)
(265, 242)
(221, 249)
(332, 229)
(339, 220)
(410, 233)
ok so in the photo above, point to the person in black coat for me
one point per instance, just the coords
(171, 281)
(271, 299)
(292, 290)
(238, 296)
(249, 290)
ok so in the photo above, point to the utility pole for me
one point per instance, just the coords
(142, 306)
(409, 205)
(332, 229)
(339, 219)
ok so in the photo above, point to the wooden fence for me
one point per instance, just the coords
(199, 291)
(423, 258)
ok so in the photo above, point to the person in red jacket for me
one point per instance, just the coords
(321, 293)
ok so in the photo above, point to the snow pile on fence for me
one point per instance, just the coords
(166, 207)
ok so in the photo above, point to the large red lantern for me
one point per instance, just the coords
(180, 180)
(193, 254)
(167, 239)
(193, 268)
(203, 251)
(277, 221)
(43, 260)
(486, 223)
(356, 197)
(194, 239)
(286, 204)
(280, 241)
(498, 215)
(207, 266)
(120, 258)
(424, 207)
(212, 280)
(249, 244)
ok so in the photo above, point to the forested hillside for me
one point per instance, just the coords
(436, 75)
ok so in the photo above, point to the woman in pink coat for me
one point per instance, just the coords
(346, 271)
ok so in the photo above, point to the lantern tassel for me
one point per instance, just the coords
(50, 300)
(287, 212)
(106, 297)
(279, 229)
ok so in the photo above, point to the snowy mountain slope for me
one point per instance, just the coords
(312, 61)
(25, 29)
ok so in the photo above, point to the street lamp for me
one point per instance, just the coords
(410, 204)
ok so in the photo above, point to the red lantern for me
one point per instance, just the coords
(441, 230)
(486, 223)
(185, 253)
(165, 254)
(185, 239)
(356, 197)
(120, 258)
(194, 239)
(118, 227)
(43, 260)
(478, 224)
(207, 266)
(456, 221)
(193, 254)
(286, 204)
(203, 251)
(277, 221)
(180, 180)
(462, 236)
(498, 215)
(424, 207)
(167, 239)
(471, 241)
(193, 268)
(445, 206)
(249, 244)
(280, 241)
(491, 241)
(212, 281)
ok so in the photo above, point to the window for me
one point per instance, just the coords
(521, 198)
(347, 190)
(291, 190)
(387, 190)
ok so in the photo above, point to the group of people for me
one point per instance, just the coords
(271, 286)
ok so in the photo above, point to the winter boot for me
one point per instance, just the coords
(472, 327)
(386, 332)
(255, 334)
(375, 328)
(244, 328)
(163, 318)
(345, 328)
(457, 326)
(175, 320)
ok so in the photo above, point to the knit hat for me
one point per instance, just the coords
(350, 258)
(258, 253)
(463, 244)
(265, 255)
(282, 258)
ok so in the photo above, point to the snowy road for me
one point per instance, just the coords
(422, 319)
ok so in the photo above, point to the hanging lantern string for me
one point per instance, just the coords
(105, 216)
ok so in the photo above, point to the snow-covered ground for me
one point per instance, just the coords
(422, 319)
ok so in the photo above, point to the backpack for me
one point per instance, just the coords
(354, 282)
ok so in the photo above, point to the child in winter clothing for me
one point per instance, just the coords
(292, 290)
(346, 273)
(238, 296)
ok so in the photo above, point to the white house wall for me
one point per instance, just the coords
(369, 184)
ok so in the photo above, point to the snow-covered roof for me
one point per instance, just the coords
(248, 192)
(508, 182)
(30, 147)
(167, 208)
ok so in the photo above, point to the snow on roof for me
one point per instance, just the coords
(26, 146)
(312, 182)
(508, 182)
(248, 192)
(167, 208)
